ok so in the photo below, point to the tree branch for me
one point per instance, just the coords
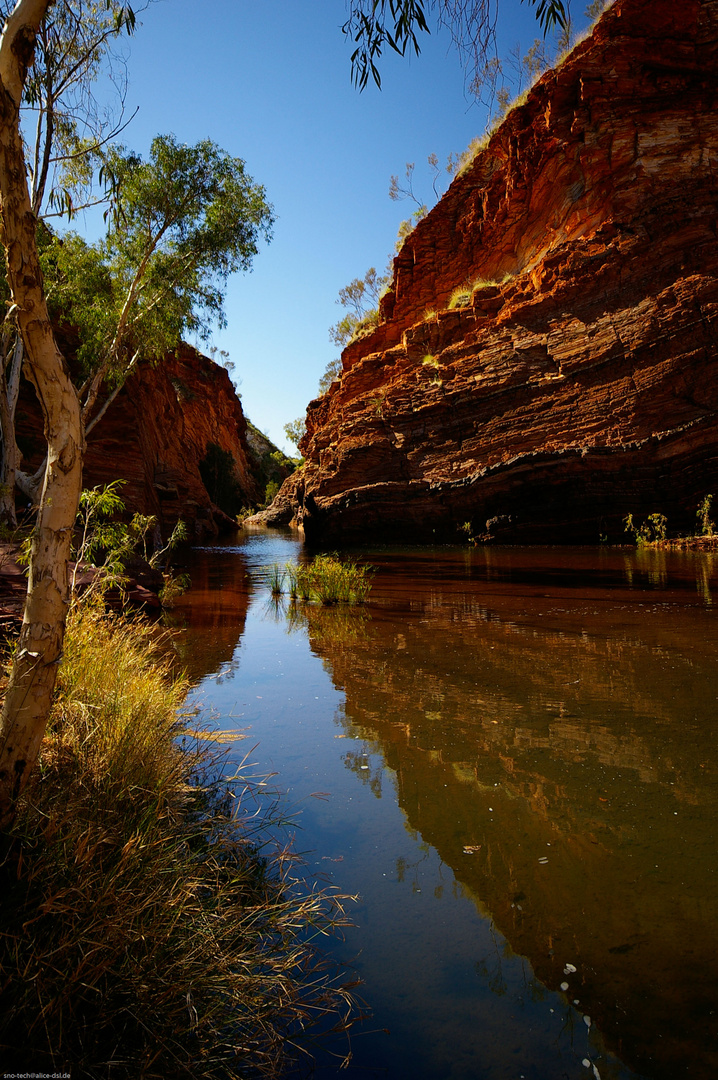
(113, 395)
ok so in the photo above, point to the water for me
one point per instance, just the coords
(511, 757)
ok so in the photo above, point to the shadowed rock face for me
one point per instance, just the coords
(580, 383)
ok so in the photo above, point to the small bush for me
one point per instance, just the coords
(460, 297)
(704, 519)
(244, 513)
(365, 325)
(270, 491)
(175, 585)
(652, 531)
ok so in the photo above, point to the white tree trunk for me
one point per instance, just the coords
(29, 694)
(9, 390)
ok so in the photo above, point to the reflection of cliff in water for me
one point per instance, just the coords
(569, 780)
(215, 607)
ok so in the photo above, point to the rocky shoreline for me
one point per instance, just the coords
(142, 588)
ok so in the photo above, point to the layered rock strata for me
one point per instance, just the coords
(573, 379)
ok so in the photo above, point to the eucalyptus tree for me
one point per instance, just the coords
(397, 24)
(65, 130)
(65, 125)
(182, 222)
(29, 693)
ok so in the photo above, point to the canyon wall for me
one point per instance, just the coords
(574, 379)
(154, 436)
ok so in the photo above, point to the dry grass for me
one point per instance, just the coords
(148, 929)
(366, 325)
(460, 297)
(467, 156)
(463, 294)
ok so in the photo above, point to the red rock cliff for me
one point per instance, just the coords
(155, 434)
(580, 383)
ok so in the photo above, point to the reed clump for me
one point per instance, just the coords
(328, 580)
(149, 931)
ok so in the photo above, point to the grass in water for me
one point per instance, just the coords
(276, 579)
(326, 580)
(148, 929)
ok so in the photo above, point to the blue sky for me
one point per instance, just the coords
(269, 81)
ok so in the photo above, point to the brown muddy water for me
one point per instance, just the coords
(510, 755)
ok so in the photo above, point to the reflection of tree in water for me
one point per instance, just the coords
(334, 630)
(653, 562)
(705, 571)
(358, 763)
(402, 865)
(208, 620)
(490, 970)
(226, 673)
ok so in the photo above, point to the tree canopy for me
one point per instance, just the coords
(64, 123)
(181, 223)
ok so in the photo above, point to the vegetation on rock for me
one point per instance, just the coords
(218, 472)
(653, 532)
(271, 466)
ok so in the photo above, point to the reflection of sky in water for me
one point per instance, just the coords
(518, 751)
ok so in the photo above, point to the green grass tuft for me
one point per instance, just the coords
(460, 297)
(276, 579)
(328, 580)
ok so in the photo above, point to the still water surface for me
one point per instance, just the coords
(516, 750)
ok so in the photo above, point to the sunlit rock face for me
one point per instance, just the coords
(158, 431)
(578, 382)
